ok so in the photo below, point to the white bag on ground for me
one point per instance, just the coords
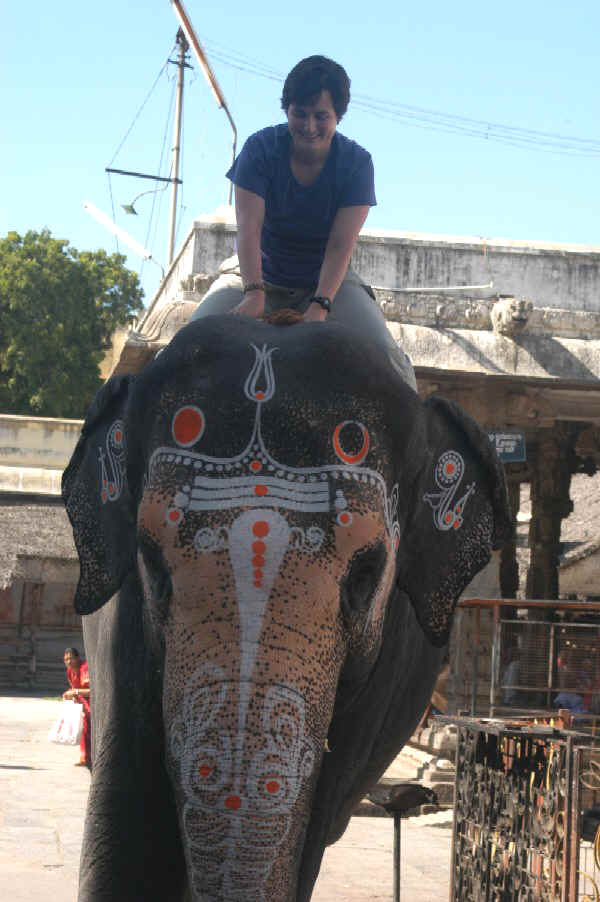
(68, 725)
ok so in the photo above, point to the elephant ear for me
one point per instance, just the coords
(97, 498)
(459, 514)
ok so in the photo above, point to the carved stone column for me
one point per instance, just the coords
(551, 469)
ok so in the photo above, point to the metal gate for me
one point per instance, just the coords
(524, 815)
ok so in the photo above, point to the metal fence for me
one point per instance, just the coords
(527, 812)
(544, 655)
(510, 836)
(585, 884)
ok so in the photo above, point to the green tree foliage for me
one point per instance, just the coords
(58, 310)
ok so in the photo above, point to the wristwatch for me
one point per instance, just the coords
(323, 302)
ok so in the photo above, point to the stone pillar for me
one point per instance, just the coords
(509, 569)
(552, 462)
(551, 468)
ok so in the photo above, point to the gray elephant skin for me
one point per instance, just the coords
(273, 530)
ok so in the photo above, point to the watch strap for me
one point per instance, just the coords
(253, 286)
(323, 302)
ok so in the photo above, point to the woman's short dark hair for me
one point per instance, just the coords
(73, 651)
(311, 76)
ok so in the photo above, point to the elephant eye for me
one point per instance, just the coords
(154, 574)
(361, 579)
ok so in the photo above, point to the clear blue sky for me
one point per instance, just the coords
(75, 74)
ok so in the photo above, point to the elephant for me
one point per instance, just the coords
(273, 530)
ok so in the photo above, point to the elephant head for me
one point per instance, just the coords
(301, 525)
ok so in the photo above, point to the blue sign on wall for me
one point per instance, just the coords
(509, 444)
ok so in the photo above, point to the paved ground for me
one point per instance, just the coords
(42, 802)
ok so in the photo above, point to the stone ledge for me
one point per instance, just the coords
(30, 480)
(572, 360)
(445, 310)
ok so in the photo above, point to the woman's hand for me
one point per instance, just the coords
(70, 693)
(253, 304)
(315, 314)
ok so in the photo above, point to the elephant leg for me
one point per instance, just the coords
(131, 848)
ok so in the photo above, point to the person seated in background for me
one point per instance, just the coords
(572, 679)
(302, 194)
(79, 681)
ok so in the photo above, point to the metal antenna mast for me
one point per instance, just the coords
(196, 46)
(183, 48)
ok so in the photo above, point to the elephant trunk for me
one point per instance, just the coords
(252, 660)
(244, 759)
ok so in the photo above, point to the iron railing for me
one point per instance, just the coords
(544, 655)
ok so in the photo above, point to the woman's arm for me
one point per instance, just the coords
(76, 693)
(342, 238)
(250, 215)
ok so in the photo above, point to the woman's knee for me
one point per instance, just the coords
(223, 295)
(354, 304)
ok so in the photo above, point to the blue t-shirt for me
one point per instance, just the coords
(298, 218)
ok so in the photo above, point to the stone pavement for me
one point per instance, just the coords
(42, 803)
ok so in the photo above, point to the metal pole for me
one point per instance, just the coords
(397, 823)
(475, 661)
(550, 666)
(183, 47)
(496, 655)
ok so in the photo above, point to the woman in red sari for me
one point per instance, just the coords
(79, 680)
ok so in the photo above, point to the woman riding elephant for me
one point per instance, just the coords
(302, 194)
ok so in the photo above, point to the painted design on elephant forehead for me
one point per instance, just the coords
(254, 476)
(449, 472)
(112, 463)
(231, 789)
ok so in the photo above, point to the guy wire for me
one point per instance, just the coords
(137, 115)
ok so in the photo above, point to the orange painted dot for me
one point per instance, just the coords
(259, 395)
(261, 491)
(261, 529)
(344, 518)
(118, 436)
(258, 560)
(273, 786)
(257, 583)
(449, 468)
(457, 524)
(205, 770)
(104, 496)
(174, 516)
(259, 547)
(111, 488)
(233, 803)
(448, 518)
(258, 574)
(255, 466)
(188, 425)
